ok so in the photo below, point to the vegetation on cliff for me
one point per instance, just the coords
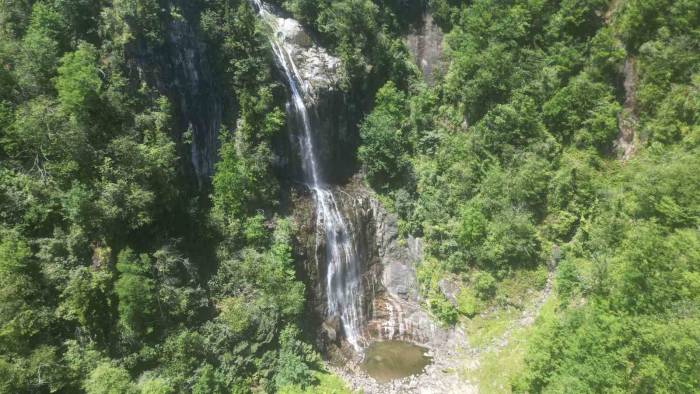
(510, 163)
(118, 272)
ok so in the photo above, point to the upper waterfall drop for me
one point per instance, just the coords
(343, 277)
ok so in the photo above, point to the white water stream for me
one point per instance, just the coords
(343, 281)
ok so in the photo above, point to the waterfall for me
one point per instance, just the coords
(343, 281)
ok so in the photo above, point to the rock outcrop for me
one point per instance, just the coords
(425, 45)
(391, 298)
(319, 73)
(628, 120)
(179, 69)
(318, 70)
(397, 312)
(356, 208)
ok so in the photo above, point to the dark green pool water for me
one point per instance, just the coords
(389, 360)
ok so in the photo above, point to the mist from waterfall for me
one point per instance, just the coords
(343, 282)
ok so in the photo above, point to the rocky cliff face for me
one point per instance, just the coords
(396, 311)
(335, 134)
(356, 207)
(628, 120)
(392, 302)
(179, 69)
(425, 45)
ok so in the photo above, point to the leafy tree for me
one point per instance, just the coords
(40, 136)
(236, 314)
(107, 378)
(209, 380)
(473, 228)
(136, 292)
(155, 385)
(584, 112)
(183, 353)
(295, 360)
(143, 18)
(607, 55)
(78, 83)
(467, 303)
(383, 151)
(89, 301)
(40, 50)
(507, 127)
(480, 79)
(24, 319)
(484, 285)
(511, 241)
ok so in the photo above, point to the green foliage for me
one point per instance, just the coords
(479, 79)
(41, 134)
(88, 299)
(584, 113)
(429, 275)
(506, 158)
(269, 271)
(183, 354)
(384, 152)
(514, 169)
(467, 303)
(78, 83)
(208, 381)
(143, 18)
(40, 50)
(155, 385)
(443, 309)
(473, 229)
(652, 266)
(640, 286)
(91, 161)
(638, 21)
(107, 378)
(511, 241)
(243, 182)
(484, 285)
(24, 318)
(295, 360)
(607, 55)
(327, 384)
(236, 314)
(136, 292)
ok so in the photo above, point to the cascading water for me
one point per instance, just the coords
(343, 282)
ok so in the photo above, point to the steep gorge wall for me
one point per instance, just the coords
(390, 299)
(333, 117)
(179, 68)
(392, 304)
(424, 43)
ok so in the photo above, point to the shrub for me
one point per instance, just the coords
(484, 285)
(467, 303)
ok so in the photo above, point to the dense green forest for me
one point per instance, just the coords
(509, 164)
(121, 272)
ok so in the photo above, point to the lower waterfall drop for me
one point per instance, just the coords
(343, 277)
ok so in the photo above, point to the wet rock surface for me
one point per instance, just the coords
(332, 115)
(397, 312)
(391, 302)
(318, 70)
